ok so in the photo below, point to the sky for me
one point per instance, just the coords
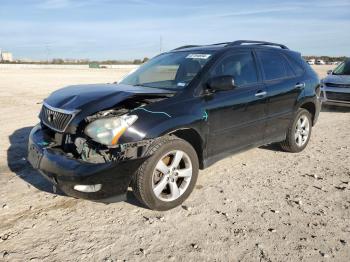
(130, 29)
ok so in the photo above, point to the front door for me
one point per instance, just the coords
(236, 117)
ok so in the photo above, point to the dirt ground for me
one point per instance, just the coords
(261, 205)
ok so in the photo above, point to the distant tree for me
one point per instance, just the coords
(58, 61)
(137, 62)
(145, 60)
(326, 58)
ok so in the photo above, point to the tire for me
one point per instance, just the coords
(292, 144)
(148, 179)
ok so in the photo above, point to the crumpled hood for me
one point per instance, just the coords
(337, 79)
(82, 97)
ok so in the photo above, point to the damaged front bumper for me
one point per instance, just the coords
(110, 179)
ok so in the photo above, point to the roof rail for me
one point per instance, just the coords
(253, 42)
(236, 43)
(223, 43)
(189, 46)
(186, 46)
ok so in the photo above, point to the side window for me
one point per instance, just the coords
(240, 66)
(275, 66)
(297, 68)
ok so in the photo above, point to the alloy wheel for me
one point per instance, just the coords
(172, 175)
(302, 131)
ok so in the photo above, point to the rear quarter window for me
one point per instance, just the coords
(275, 65)
(297, 67)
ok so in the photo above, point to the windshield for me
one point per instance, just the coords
(169, 70)
(342, 69)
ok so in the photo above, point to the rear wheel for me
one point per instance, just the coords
(298, 134)
(168, 177)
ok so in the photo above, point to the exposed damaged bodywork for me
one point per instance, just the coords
(78, 145)
(91, 153)
(60, 148)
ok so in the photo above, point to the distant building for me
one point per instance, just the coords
(6, 56)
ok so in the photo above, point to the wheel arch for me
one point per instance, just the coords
(193, 137)
(311, 107)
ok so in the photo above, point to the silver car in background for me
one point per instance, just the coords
(335, 88)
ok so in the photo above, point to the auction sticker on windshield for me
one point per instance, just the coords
(198, 56)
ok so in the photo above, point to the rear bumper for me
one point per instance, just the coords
(65, 172)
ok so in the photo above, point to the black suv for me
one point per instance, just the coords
(180, 112)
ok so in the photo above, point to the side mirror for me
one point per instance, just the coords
(329, 72)
(221, 83)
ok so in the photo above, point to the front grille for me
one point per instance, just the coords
(55, 119)
(338, 96)
(338, 85)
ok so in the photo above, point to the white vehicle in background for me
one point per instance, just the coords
(332, 63)
(320, 62)
(311, 61)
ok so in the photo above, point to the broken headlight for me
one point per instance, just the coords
(107, 131)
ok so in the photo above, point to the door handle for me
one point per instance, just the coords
(261, 93)
(300, 85)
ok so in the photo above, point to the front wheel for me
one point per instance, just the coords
(299, 132)
(168, 177)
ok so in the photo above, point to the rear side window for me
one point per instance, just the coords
(297, 68)
(275, 65)
(240, 66)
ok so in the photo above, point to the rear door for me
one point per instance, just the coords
(236, 117)
(283, 87)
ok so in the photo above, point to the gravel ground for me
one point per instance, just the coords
(260, 205)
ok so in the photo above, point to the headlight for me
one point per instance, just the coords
(107, 131)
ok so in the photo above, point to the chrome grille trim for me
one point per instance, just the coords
(56, 119)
